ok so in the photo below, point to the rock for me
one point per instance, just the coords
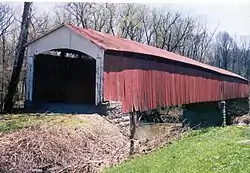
(241, 124)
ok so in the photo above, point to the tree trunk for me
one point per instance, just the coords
(3, 64)
(19, 56)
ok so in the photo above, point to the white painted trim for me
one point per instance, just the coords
(52, 30)
(99, 78)
(65, 38)
(29, 78)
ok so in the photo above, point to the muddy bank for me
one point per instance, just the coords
(151, 136)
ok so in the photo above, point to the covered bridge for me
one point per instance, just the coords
(110, 68)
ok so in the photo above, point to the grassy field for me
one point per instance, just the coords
(209, 150)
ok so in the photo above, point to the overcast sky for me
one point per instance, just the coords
(231, 17)
(234, 18)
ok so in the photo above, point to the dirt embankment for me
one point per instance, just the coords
(82, 143)
(63, 147)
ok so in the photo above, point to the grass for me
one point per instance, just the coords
(11, 123)
(224, 150)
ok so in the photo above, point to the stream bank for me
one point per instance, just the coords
(71, 143)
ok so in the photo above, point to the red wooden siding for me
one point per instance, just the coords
(145, 85)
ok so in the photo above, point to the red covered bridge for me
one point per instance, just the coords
(109, 68)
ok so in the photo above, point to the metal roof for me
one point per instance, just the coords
(110, 42)
(115, 43)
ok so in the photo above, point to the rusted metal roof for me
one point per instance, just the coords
(115, 43)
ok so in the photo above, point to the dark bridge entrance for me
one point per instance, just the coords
(64, 80)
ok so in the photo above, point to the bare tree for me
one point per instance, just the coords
(81, 13)
(198, 44)
(131, 21)
(3, 65)
(39, 25)
(6, 17)
(224, 45)
(168, 20)
(19, 55)
(241, 58)
(149, 23)
(98, 16)
(109, 16)
(6, 20)
(62, 15)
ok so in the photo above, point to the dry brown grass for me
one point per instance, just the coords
(242, 120)
(63, 148)
(79, 143)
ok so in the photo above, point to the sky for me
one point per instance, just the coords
(231, 16)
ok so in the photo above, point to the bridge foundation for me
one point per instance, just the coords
(112, 111)
(210, 113)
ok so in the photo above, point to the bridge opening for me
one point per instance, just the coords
(65, 78)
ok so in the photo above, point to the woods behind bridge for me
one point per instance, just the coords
(169, 30)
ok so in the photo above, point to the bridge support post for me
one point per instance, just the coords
(223, 108)
(133, 124)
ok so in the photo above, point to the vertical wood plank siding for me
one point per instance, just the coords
(145, 84)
